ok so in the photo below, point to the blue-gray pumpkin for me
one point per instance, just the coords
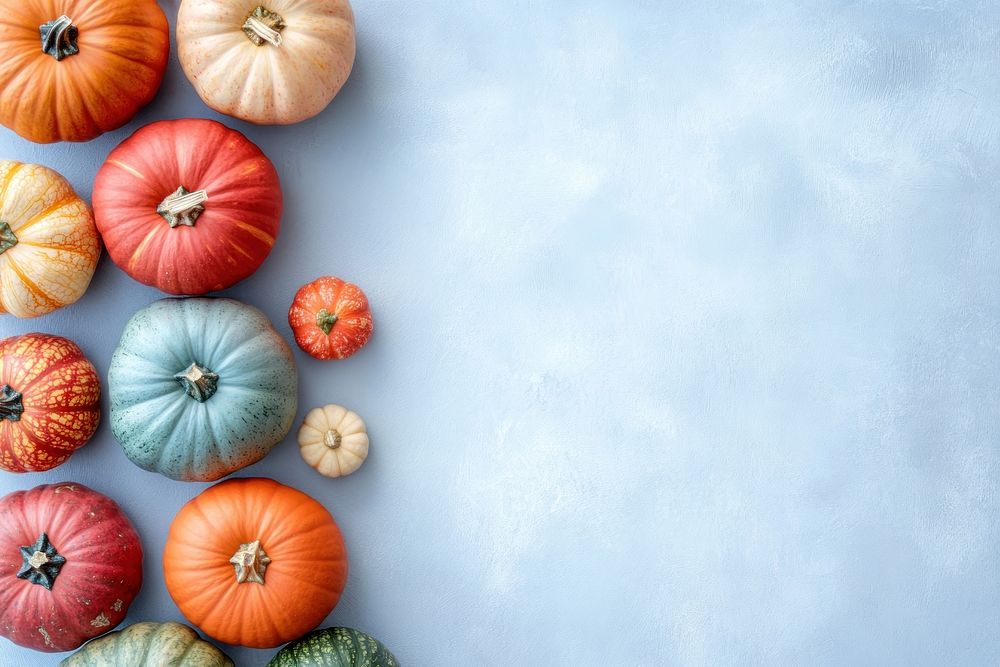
(200, 388)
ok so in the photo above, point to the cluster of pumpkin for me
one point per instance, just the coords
(199, 387)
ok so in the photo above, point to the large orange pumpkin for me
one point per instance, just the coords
(73, 69)
(50, 401)
(254, 562)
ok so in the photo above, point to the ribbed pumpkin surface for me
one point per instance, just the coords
(149, 645)
(335, 647)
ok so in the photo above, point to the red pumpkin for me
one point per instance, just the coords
(49, 401)
(70, 566)
(330, 318)
(188, 206)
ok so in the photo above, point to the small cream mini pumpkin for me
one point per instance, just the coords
(333, 440)
(270, 62)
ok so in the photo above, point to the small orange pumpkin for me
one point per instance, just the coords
(330, 318)
(254, 562)
(73, 69)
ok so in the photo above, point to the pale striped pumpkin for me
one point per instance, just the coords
(49, 245)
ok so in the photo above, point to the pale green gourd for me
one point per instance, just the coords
(200, 388)
(149, 645)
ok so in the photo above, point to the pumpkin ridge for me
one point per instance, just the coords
(79, 80)
(44, 214)
(140, 249)
(71, 357)
(30, 284)
(29, 434)
(8, 179)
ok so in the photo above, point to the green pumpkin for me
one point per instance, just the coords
(335, 647)
(149, 645)
(200, 388)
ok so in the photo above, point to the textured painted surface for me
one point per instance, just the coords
(687, 331)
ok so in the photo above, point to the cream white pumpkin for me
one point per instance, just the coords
(271, 62)
(333, 440)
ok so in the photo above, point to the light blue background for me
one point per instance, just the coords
(687, 329)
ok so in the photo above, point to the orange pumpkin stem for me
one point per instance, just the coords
(250, 562)
(264, 26)
(59, 37)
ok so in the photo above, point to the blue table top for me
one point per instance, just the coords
(687, 320)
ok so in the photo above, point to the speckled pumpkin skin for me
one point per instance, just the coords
(162, 428)
(335, 647)
(61, 395)
(352, 328)
(265, 84)
(93, 590)
(149, 645)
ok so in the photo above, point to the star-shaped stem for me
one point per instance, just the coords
(182, 207)
(264, 26)
(59, 37)
(11, 405)
(42, 563)
(8, 239)
(199, 383)
(250, 562)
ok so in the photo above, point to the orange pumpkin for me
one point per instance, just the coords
(73, 69)
(50, 401)
(254, 562)
(49, 244)
(330, 318)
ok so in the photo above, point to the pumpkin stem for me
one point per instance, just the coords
(250, 562)
(332, 439)
(199, 382)
(325, 320)
(59, 37)
(262, 26)
(7, 237)
(11, 405)
(42, 562)
(182, 207)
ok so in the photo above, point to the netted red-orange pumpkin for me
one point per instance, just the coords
(254, 562)
(50, 401)
(330, 318)
(73, 69)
